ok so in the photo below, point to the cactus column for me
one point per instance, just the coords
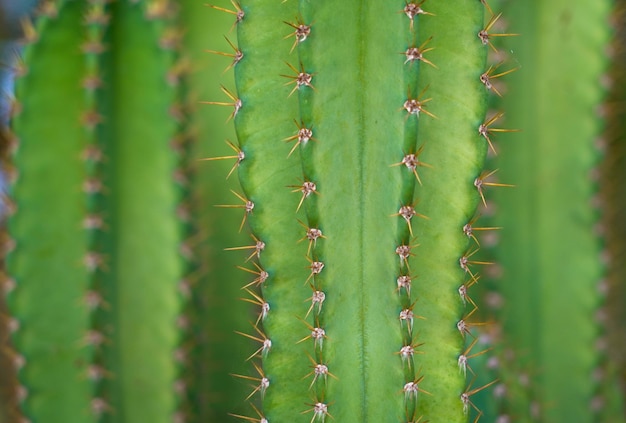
(96, 262)
(49, 270)
(369, 312)
(214, 314)
(549, 251)
(145, 263)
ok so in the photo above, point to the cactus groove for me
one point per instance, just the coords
(365, 106)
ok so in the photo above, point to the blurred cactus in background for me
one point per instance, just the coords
(11, 14)
(552, 282)
(370, 267)
(114, 47)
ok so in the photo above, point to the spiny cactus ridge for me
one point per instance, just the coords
(361, 164)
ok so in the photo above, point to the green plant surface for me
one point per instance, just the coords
(145, 265)
(264, 175)
(9, 40)
(449, 197)
(48, 261)
(97, 299)
(549, 250)
(614, 196)
(352, 88)
(214, 311)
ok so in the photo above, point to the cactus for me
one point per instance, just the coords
(614, 196)
(7, 57)
(341, 313)
(361, 136)
(549, 253)
(95, 263)
(214, 313)
(54, 357)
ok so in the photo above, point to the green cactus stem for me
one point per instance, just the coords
(549, 250)
(97, 272)
(10, 35)
(264, 174)
(379, 90)
(214, 281)
(48, 263)
(614, 196)
(145, 263)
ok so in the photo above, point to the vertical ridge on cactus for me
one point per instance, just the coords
(549, 251)
(456, 152)
(613, 194)
(95, 21)
(10, 67)
(262, 123)
(144, 259)
(97, 295)
(51, 281)
(215, 350)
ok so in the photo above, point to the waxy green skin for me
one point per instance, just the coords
(614, 194)
(549, 250)
(9, 35)
(214, 310)
(145, 263)
(359, 85)
(140, 267)
(47, 262)
(266, 173)
(448, 197)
